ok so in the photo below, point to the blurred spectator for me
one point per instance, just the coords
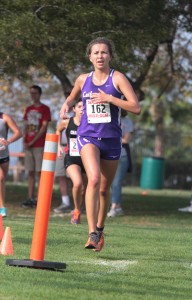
(36, 119)
(61, 173)
(124, 166)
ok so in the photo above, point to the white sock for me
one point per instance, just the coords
(66, 200)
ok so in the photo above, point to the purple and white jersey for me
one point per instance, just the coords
(100, 120)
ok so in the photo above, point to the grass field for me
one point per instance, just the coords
(147, 253)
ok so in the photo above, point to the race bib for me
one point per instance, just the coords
(98, 112)
(74, 151)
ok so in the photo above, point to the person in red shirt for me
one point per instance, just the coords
(36, 119)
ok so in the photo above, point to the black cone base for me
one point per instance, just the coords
(36, 264)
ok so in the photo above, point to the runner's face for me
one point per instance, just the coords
(100, 56)
(35, 95)
(78, 109)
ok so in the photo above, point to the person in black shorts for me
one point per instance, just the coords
(72, 161)
(6, 124)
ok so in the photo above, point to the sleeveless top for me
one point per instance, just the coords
(71, 134)
(3, 134)
(100, 120)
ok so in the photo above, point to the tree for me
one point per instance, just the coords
(51, 35)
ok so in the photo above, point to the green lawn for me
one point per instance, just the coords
(147, 253)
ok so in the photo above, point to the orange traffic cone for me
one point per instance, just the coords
(6, 247)
(1, 228)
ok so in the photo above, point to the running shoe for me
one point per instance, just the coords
(61, 209)
(92, 241)
(115, 212)
(29, 203)
(3, 211)
(186, 209)
(34, 203)
(75, 219)
(100, 244)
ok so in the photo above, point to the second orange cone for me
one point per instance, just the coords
(6, 247)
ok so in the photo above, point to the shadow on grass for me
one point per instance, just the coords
(138, 204)
(135, 202)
